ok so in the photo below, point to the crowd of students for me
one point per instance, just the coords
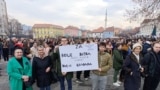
(33, 61)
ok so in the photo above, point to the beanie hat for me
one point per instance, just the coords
(137, 45)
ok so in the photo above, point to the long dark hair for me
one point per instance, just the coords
(117, 45)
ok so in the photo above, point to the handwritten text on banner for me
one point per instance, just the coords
(79, 57)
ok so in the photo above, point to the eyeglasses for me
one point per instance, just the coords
(63, 40)
(18, 52)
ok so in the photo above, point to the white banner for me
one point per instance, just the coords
(79, 57)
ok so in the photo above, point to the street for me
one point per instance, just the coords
(84, 86)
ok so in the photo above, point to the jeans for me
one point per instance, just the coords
(62, 85)
(98, 82)
(46, 88)
(116, 72)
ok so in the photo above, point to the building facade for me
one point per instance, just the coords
(98, 33)
(147, 26)
(109, 32)
(72, 31)
(47, 30)
(3, 19)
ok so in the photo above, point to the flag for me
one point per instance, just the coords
(154, 31)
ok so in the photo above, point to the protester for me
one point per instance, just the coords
(151, 63)
(126, 48)
(27, 51)
(62, 75)
(146, 47)
(99, 77)
(47, 48)
(34, 49)
(41, 70)
(19, 71)
(117, 63)
(133, 68)
(19, 44)
(12, 43)
(109, 47)
(5, 51)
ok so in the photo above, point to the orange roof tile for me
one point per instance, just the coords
(109, 29)
(72, 27)
(42, 25)
(98, 30)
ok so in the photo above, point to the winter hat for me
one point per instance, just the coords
(136, 45)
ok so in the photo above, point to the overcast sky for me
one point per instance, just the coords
(81, 13)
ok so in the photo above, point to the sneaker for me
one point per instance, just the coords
(86, 79)
(116, 84)
(79, 81)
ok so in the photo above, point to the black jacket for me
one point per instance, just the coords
(131, 64)
(39, 73)
(151, 63)
(146, 46)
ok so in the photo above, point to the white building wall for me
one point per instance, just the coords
(3, 18)
(147, 28)
(99, 35)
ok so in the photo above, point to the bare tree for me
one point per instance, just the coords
(144, 9)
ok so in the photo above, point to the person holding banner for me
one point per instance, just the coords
(99, 77)
(62, 75)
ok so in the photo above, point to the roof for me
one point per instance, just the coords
(98, 30)
(132, 32)
(136, 29)
(72, 27)
(109, 29)
(120, 29)
(147, 20)
(47, 26)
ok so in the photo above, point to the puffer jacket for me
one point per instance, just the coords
(105, 63)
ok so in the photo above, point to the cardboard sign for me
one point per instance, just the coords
(79, 57)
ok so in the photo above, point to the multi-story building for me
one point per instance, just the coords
(84, 33)
(108, 32)
(147, 26)
(117, 31)
(3, 19)
(89, 33)
(98, 33)
(72, 31)
(47, 30)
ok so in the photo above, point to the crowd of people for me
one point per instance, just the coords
(32, 61)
